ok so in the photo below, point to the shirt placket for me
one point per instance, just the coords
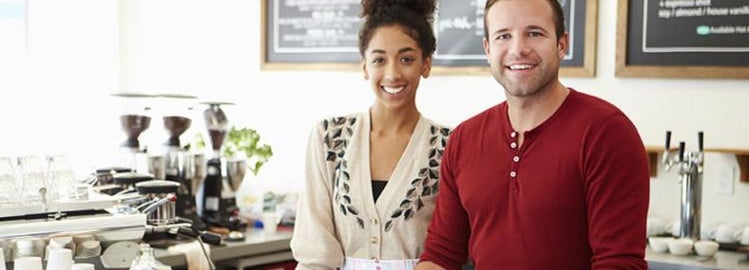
(375, 241)
(515, 147)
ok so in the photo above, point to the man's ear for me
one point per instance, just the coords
(364, 69)
(563, 45)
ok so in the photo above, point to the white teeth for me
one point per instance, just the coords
(518, 67)
(393, 90)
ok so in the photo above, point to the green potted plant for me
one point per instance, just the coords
(243, 143)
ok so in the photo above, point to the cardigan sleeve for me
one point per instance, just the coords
(314, 243)
(617, 187)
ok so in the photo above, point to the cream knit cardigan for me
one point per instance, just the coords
(337, 216)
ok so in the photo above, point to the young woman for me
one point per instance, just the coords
(372, 177)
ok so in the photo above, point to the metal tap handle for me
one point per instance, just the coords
(701, 140)
(682, 146)
(668, 140)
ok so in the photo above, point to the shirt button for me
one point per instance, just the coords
(516, 158)
(374, 221)
(513, 134)
(373, 240)
(513, 174)
(513, 145)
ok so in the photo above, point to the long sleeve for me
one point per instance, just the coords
(447, 239)
(314, 243)
(617, 188)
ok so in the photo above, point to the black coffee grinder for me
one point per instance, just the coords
(218, 203)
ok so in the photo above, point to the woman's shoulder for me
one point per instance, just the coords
(438, 128)
(341, 121)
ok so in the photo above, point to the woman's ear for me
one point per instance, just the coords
(427, 69)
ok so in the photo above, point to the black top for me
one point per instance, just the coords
(377, 187)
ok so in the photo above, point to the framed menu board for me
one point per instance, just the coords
(683, 39)
(323, 35)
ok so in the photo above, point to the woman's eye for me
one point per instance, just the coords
(408, 60)
(378, 60)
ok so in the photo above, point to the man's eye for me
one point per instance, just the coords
(503, 37)
(535, 34)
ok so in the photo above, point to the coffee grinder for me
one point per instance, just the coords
(181, 165)
(218, 202)
(134, 119)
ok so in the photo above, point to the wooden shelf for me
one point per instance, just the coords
(742, 156)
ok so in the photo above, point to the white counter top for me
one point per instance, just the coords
(721, 260)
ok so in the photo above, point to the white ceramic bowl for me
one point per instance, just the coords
(706, 248)
(659, 244)
(681, 246)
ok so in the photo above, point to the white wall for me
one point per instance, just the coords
(212, 49)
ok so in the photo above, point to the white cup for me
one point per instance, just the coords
(29, 247)
(655, 226)
(28, 263)
(60, 259)
(706, 248)
(708, 230)
(681, 246)
(659, 244)
(270, 222)
(742, 236)
(726, 233)
(2, 259)
(88, 249)
(6, 247)
(674, 227)
(82, 266)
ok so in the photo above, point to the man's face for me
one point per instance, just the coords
(522, 49)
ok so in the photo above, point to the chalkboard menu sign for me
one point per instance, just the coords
(309, 34)
(683, 38)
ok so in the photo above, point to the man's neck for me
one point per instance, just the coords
(528, 112)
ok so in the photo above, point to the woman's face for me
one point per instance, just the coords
(393, 63)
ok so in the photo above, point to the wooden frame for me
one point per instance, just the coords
(586, 70)
(624, 69)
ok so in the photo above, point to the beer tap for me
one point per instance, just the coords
(690, 165)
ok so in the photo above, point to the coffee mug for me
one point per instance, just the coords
(726, 232)
(742, 236)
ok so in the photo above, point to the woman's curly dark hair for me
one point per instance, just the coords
(415, 16)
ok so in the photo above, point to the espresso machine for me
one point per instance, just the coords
(218, 198)
(690, 166)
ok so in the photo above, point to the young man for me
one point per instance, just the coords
(550, 179)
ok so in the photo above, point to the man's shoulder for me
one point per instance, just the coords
(595, 105)
(477, 121)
